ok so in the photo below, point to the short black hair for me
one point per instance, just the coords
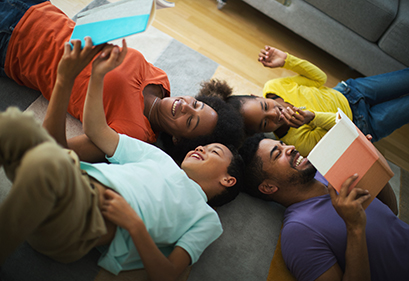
(229, 130)
(236, 170)
(254, 174)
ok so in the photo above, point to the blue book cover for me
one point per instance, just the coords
(116, 20)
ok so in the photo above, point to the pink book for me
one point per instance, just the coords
(344, 151)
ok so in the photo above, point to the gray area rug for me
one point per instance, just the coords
(251, 226)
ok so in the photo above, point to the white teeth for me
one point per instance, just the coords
(174, 107)
(299, 161)
(195, 155)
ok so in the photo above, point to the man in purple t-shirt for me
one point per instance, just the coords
(325, 235)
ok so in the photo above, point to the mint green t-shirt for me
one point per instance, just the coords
(172, 206)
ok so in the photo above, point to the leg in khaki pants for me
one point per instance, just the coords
(51, 203)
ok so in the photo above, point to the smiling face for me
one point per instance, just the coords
(207, 163)
(186, 117)
(262, 115)
(284, 165)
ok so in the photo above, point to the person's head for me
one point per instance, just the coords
(227, 129)
(259, 114)
(274, 170)
(185, 117)
(218, 169)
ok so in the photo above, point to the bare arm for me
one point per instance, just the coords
(349, 208)
(158, 266)
(309, 74)
(95, 125)
(86, 150)
(71, 64)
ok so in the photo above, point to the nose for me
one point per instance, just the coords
(271, 114)
(187, 107)
(288, 148)
(200, 148)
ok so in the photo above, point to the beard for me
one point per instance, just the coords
(303, 176)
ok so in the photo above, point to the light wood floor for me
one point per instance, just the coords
(233, 36)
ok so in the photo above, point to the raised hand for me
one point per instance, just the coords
(349, 205)
(272, 57)
(75, 59)
(110, 58)
(295, 117)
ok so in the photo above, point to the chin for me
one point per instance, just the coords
(308, 174)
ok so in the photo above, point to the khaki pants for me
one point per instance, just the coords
(51, 204)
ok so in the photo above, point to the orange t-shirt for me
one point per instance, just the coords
(35, 48)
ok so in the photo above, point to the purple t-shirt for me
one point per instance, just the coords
(314, 238)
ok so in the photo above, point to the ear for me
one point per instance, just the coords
(267, 187)
(175, 140)
(228, 181)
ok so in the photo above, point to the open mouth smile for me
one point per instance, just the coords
(196, 155)
(298, 161)
(175, 106)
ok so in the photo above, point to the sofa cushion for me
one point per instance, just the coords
(368, 18)
(395, 41)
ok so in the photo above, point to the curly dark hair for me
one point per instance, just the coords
(229, 130)
(254, 174)
(215, 88)
(235, 169)
(220, 89)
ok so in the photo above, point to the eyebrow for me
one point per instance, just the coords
(272, 151)
(261, 122)
(198, 118)
(197, 123)
(219, 147)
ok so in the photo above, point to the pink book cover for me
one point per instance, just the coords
(344, 151)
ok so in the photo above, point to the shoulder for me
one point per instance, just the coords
(133, 150)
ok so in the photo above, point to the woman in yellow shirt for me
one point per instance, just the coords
(299, 109)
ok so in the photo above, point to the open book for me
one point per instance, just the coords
(116, 20)
(344, 151)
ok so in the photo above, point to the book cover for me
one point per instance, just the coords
(116, 20)
(343, 151)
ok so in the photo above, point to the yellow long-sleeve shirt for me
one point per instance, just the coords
(307, 89)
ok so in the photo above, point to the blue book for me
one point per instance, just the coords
(116, 20)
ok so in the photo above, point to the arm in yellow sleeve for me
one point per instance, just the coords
(309, 74)
(325, 120)
(307, 136)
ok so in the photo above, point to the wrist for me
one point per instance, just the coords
(63, 81)
(136, 226)
(97, 76)
(356, 230)
(312, 116)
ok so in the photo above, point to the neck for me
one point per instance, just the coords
(152, 99)
(207, 186)
(282, 130)
(306, 191)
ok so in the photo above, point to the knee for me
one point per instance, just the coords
(46, 157)
(17, 124)
(19, 132)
